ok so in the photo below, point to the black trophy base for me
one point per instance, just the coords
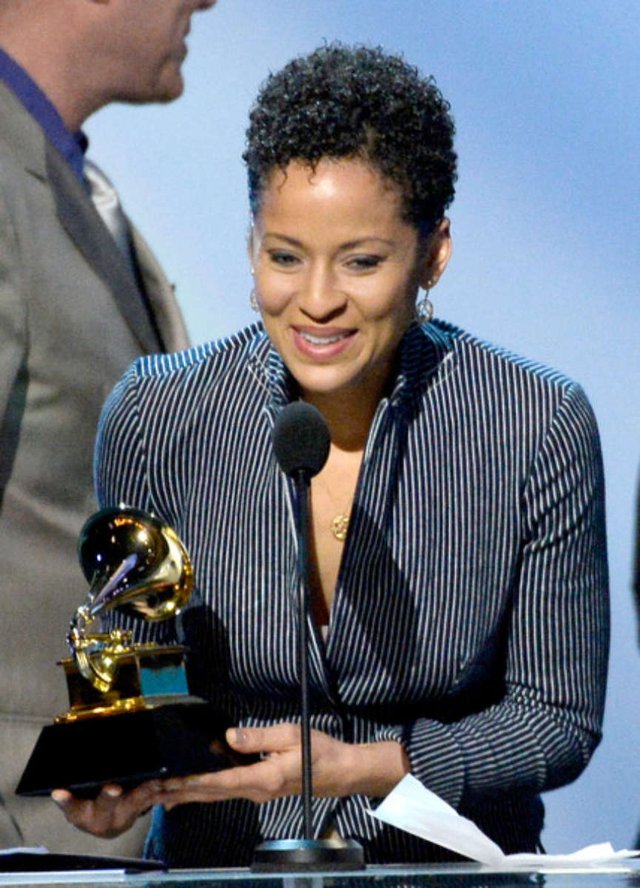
(307, 856)
(127, 749)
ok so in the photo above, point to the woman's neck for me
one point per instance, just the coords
(349, 412)
(348, 418)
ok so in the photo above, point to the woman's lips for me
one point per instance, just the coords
(322, 344)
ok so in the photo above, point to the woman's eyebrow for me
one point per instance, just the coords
(348, 245)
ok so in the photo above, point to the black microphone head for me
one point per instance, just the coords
(301, 439)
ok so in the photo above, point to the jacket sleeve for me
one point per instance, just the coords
(543, 730)
(121, 477)
(120, 465)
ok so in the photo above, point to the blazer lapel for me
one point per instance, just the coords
(82, 222)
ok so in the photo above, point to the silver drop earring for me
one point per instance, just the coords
(424, 308)
(253, 300)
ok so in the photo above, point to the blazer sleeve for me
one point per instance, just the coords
(121, 478)
(544, 729)
(120, 463)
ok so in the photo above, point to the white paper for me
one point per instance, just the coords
(412, 807)
(36, 849)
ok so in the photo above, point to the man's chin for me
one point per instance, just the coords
(170, 91)
(160, 93)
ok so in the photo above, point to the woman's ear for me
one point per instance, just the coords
(436, 256)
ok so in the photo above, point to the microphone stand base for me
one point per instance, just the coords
(307, 855)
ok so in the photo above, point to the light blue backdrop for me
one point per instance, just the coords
(546, 228)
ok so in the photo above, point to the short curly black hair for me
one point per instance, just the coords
(342, 102)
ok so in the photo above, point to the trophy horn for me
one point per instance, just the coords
(137, 566)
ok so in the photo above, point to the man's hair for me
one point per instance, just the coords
(357, 102)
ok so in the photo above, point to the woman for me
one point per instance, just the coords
(458, 551)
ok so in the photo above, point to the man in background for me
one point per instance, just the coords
(81, 296)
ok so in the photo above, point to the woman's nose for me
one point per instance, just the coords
(320, 296)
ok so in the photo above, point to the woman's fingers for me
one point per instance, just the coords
(275, 738)
(111, 812)
(279, 773)
(259, 782)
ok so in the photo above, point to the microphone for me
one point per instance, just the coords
(301, 443)
(301, 440)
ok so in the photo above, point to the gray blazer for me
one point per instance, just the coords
(71, 320)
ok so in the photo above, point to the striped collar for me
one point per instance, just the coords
(423, 351)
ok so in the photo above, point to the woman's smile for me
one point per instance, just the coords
(322, 343)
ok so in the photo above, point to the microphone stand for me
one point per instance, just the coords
(302, 521)
(306, 854)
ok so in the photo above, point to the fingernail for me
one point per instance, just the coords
(112, 791)
(60, 796)
(238, 736)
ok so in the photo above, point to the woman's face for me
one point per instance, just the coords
(336, 273)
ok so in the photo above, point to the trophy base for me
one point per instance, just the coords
(127, 749)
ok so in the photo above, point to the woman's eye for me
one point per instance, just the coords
(364, 263)
(283, 258)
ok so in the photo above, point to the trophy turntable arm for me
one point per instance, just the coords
(96, 653)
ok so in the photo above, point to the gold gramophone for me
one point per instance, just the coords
(131, 716)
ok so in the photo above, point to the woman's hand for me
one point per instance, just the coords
(338, 769)
(112, 812)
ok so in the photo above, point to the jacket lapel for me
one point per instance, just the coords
(83, 224)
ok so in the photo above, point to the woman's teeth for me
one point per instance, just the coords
(323, 340)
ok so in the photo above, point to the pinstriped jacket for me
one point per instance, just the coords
(470, 618)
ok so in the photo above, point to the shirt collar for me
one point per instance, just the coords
(72, 146)
(422, 351)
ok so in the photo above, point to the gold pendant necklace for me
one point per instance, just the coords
(340, 526)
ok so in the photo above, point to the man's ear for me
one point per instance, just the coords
(437, 253)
